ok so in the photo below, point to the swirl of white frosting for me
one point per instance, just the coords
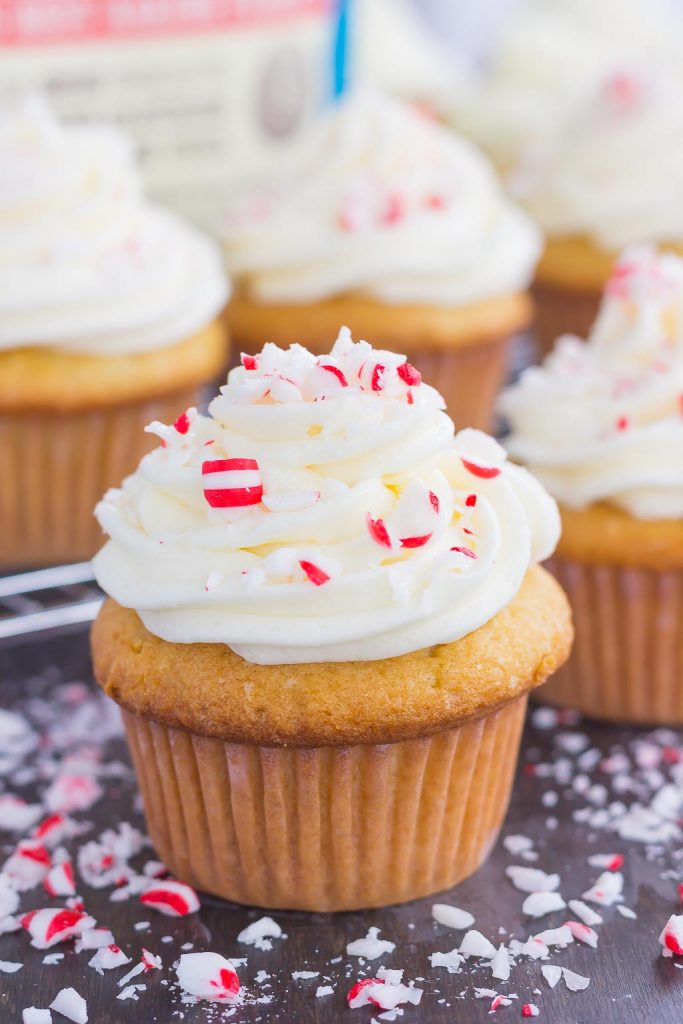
(86, 265)
(551, 56)
(376, 533)
(388, 204)
(603, 421)
(613, 172)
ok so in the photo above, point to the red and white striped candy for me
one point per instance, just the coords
(316, 575)
(52, 925)
(59, 880)
(72, 792)
(208, 976)
(671, 938)
(385, 994)
(94, 938)
(583, 933)
(325, 380)
(51, 830)
(28, 865)
(409, 375)
(175, 899)
(479, 470)
(150, 961)
(232, 483)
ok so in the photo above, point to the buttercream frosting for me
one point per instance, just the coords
(613, 172)
(603, 420)
(388, 204)
(86, 264)
(552, 56)
(322, 511)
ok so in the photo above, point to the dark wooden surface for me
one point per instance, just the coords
(630, 982)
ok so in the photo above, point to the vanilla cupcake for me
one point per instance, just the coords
(581, 111)
(399, 229)
(108, 318)
(325, 616)
(610, 179)
(601, 425)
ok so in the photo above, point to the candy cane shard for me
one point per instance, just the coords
(232, 483)
(208, 976)
(174, 899)
(51, 925)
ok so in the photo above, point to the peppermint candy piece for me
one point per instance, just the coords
(28, 865)
(174, 899)
(72, 792)
(32, 1015)
(452, 917)
(71, 1005)
(208, 976)
(59, 880)
(232, 483)
(16, 815)
(532, 879)
(316, 575)
(51, 830)
(259, 933)
(671, 938)
(371, 947)
(107, 958)
(51, 925)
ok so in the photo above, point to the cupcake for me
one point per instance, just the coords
(108, 310)
(581, 111)
(399, 229)
(610, 180)
(325, 617)
(601, 425)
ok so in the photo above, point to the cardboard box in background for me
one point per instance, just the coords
(214, 92)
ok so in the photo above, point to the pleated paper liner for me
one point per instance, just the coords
(627, 661)
(54, 468)
(328, 828)
(562, 311)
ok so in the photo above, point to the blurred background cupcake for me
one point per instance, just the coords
(576, 105)
(108, 319)
(601, 425)
(399, 229)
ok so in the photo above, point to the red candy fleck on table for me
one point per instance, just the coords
(182, 424)
(174, 899)
(232, 483)
(378, 531)
(315, 574)
(485, 472)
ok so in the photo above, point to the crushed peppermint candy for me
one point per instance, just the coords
(208, 976)
(452, 917)
(71, 1005)
(259, 933)
(371, 947)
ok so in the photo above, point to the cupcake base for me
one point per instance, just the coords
(562, 311)
(60, 464)
(326, 828)
(627, 660)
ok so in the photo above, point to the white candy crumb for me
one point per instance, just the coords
(561, 936)
(551, 973)
(517, 844)
(71, 1005)
(31, 1015)
(323, 990)
(606, 889)
(626, 912)
(500, 964)
(371, 947)
(452, 917)
(538, 904)
(476, 944)
(532, 879)
(9, 967)
(452, 961)
(259, 933)
(305, 975)
(574, 982)
(584, 912)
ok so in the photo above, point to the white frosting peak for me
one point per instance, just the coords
(86, 265)
(388, 204)
(323, 511)
(603, 420)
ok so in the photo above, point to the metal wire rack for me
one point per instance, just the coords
(47, 599)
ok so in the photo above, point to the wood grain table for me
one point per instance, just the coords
(630, 982)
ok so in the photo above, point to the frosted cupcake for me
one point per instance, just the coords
(326, 614)
(609, 180)
(577, 113)
(601, 425)
(108, 309)
(399, 229)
